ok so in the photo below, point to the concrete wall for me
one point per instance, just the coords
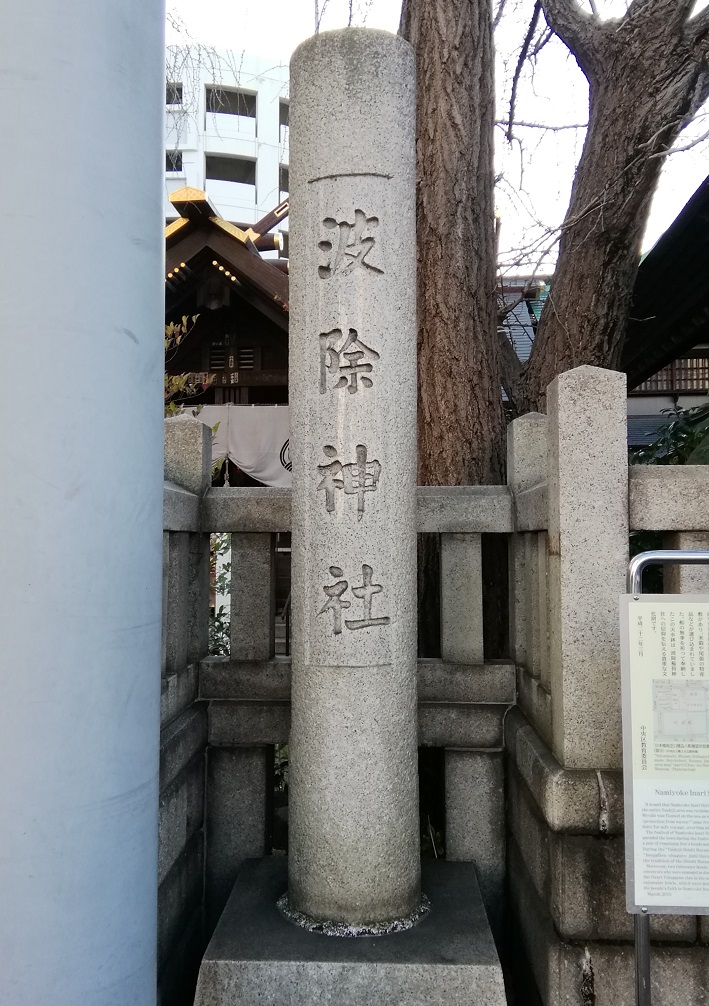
(196, 132)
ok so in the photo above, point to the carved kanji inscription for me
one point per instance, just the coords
(347, 360)
(364, 592)
(350, 245)
(354, 479)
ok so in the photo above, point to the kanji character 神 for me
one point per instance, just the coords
(354, 479)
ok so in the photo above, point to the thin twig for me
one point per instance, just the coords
(531, 31)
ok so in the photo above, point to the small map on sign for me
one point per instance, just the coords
(681, 710)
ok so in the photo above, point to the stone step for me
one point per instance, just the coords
(258, 956)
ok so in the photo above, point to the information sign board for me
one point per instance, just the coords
(665, 685)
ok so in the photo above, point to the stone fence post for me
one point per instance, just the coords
(587, 561)
(354, 846)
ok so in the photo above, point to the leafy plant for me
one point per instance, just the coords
(683, 440)
(220, 577)
(179, 387)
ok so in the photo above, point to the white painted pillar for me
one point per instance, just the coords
(353, 817)
(81, 318)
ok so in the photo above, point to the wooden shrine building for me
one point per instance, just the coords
(215, 271)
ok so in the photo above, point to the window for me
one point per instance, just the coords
(173, 93)
(283, 180)
(231, 101)
(283, 112)
(217, 355)
(173, 160)
(231, 169)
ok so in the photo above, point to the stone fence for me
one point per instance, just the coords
(531, 744)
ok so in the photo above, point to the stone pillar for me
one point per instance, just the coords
(253, 596)
(354, 844)
(587, 562)
(81, 289)
(461, 599)
(475, 819)
(687, 579)
(527, 449)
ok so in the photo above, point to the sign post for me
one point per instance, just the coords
(665, 688)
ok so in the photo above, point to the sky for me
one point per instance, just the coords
(536, 169)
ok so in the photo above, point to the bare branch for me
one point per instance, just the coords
(498, 13)
(545, 38)
(542, 125)
(574, 26)
(531, 30)
(506, 309)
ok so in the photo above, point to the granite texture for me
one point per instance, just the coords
(353, 816)
(180, 741)
(248, 723)
(461, 509)
(222, 678)
(188, 454)
(475, 820)
(536, 597)
(527, 450)
(599, 974)
(440, 681)
(180, 895)
(252, 596)
(535, 702)
(687, 579)
(581, 878)
(464, 509)
(237, 825)
(669, 497)
(461, 725)
(574, 802)
(181, 814)
(587, 560)
(178, 691)
(256, 955)
(517, 595)
(199, 587)
(253, 509)
(461, 599)
(176, 601)
(181, 509)
(532, 509)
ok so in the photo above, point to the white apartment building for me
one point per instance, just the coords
(226, 131)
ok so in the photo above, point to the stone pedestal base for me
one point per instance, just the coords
(259, 958)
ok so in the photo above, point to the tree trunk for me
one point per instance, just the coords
(643, 73)
(460, 417)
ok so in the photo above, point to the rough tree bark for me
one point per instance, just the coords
(460, 418)
(645, 73)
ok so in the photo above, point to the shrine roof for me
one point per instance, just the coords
(670, 310)
(200, 236)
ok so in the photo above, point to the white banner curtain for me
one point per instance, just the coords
(254, 438)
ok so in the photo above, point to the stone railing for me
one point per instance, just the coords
(566, 513)
(576, 502)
